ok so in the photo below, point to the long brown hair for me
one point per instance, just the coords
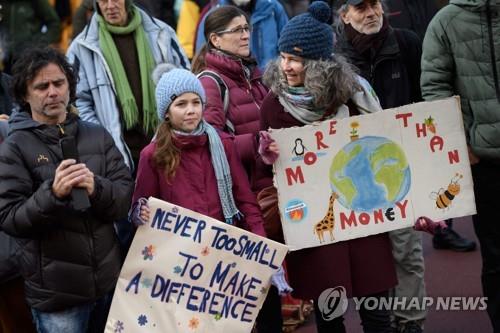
(166, 156)
(217, 20)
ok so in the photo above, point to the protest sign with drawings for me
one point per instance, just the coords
(186, 272)
(353, 177)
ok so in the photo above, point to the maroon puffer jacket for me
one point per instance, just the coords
(194, 185)
(245, 98)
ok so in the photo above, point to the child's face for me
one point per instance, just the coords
(185, 112)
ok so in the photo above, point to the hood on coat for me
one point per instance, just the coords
(21, 119)
(486, 9)
(474, 5)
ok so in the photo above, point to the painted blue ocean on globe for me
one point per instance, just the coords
(370, 173)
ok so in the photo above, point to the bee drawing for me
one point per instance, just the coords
(444, 197)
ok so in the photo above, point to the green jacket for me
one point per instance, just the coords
(461, 56)
(27, 23)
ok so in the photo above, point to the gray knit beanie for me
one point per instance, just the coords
(173, 82)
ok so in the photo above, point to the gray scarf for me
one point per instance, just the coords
(221, 168)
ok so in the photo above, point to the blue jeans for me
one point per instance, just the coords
(85, 318)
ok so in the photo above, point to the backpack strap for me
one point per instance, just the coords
(223, 89)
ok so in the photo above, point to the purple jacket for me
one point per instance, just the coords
(194, 185)
(245, 99)
(363, 266)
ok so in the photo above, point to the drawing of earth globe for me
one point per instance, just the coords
(370, 173)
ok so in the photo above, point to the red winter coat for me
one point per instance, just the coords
(194, 185)
(363, 266)
(245, 98)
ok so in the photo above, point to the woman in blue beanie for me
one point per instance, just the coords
(308, 84)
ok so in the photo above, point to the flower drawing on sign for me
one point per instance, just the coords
(177, 269)
(354, 131)
(193, 323)
(205, 251)
(218, 316)
(148, 252)
(142, 320)
(119, 327)
(175, 210)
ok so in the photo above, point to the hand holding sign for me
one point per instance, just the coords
(187, 272)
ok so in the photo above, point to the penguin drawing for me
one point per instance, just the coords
(299, 148)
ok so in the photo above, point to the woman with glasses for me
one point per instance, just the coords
(231, 80)
(234, 94)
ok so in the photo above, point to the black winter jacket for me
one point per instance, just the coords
(68, 258)
(394, 72)
(413, 15)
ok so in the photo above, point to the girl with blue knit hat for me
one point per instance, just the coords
(309, 83)
(190, 164)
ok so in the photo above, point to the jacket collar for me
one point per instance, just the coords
(231, 67)
(50, 134)
(189, 141)
(389, 48)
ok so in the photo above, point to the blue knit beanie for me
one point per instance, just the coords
(172, 83)
(308, 35)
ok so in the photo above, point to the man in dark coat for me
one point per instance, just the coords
(61, 210)
(389, 59)
(415, 15)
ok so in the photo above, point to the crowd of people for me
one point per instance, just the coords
(105, 103)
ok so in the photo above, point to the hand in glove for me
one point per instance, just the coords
(278, 280)
(139, 214)
(424, 223)
(268, 149)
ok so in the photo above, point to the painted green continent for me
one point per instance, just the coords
(391, 174)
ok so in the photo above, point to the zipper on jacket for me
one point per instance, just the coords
(249, 85)
(373, 65)
(92, 252)
(40, 264)
(249, 91)
(61, 130)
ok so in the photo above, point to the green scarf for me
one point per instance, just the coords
(146, 66)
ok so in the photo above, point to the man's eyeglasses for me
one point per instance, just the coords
(237, 30)
(102, 2)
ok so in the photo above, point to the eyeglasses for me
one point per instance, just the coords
(238, 30)
(102, 2)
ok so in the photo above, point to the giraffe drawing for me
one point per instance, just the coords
(328, 222)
